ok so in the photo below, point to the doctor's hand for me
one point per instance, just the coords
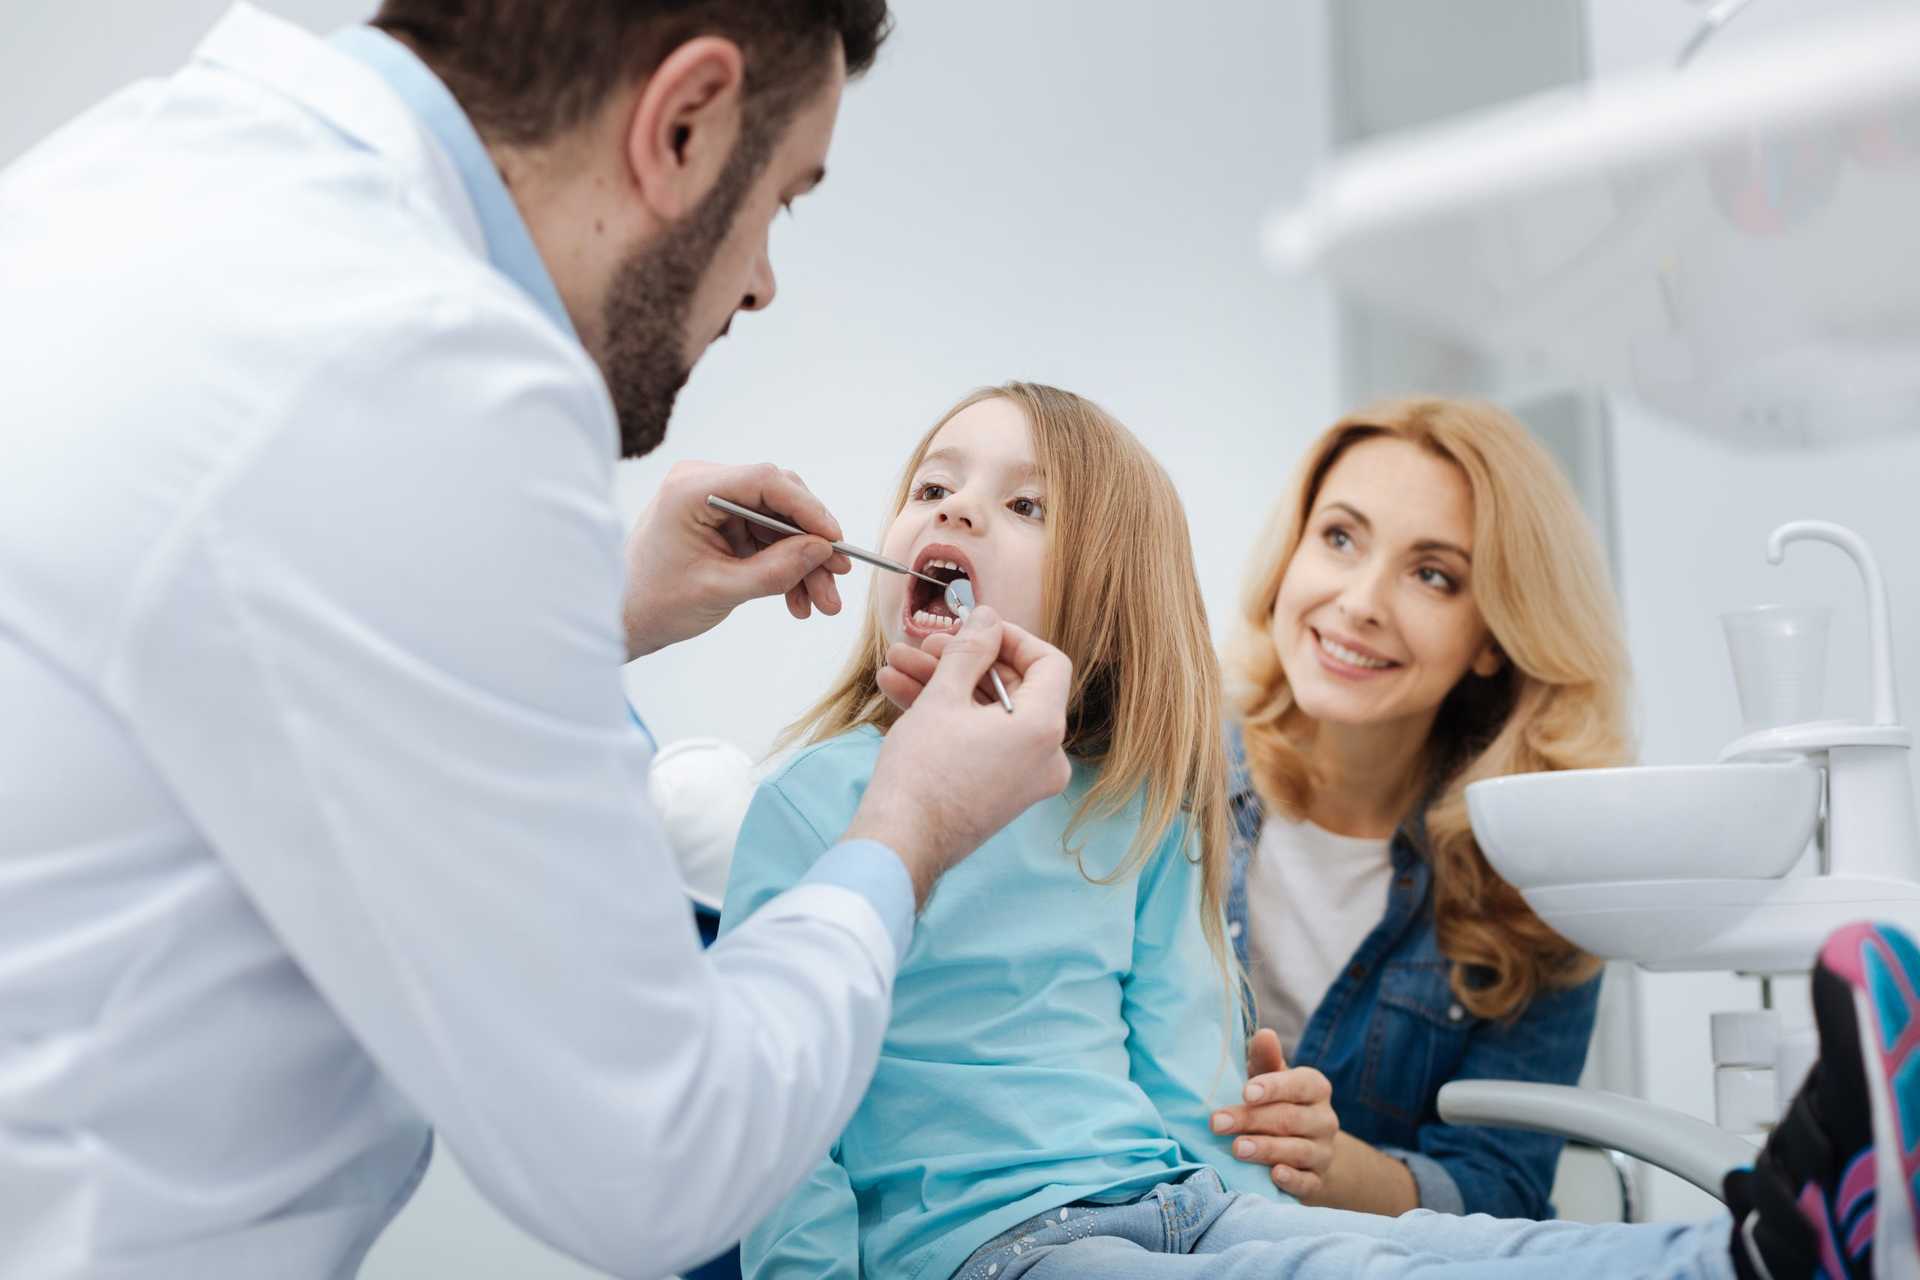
(1287, 1121)
(689, 565)
(955, 768)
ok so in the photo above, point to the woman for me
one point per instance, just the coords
(1427, 608)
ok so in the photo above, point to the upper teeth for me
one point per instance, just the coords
(1351, 656)
(944, 564)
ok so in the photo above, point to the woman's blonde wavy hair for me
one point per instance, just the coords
(1121, 600)
(1558, 702)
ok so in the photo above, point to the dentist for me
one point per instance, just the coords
(325, 824)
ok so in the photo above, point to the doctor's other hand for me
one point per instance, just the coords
(689, 565)
(954, 769)
(1287, 1121)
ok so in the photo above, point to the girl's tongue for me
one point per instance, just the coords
(927, 607)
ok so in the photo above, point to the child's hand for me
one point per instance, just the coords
(1288, 1119)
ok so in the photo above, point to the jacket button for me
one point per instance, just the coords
(1455, 1013)
(1233, 929)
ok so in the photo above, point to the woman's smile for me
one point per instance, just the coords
(1349, 659)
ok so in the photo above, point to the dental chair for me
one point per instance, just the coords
(1803, 825)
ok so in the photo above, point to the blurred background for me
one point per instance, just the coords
(1072, 191)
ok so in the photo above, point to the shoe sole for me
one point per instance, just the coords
(1882, 967)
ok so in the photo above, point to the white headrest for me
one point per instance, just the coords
(701, 788)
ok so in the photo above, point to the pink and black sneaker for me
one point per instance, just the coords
(1835, 1193)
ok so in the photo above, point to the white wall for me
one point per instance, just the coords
(1066, 192)
(1694, 518)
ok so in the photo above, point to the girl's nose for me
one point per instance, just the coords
(957, 510)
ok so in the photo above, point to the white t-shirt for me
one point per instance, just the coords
(1312, 897)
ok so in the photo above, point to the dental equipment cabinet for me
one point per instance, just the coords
(1728, 246)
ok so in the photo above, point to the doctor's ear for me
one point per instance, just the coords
(684, 124)
(1488, 661)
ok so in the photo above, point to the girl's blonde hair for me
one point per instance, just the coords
(1122, 601)
(1558, 701)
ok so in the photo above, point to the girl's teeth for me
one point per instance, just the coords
(1349, 657)
(933, 621)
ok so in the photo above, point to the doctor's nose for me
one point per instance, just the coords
(760, 287)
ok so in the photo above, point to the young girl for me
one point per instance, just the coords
(1061, 1028)
(1061, 1023)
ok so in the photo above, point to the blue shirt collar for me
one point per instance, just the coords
(510, 246)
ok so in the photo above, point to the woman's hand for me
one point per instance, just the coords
(1287, 1121)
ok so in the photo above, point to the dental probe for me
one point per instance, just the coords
(960, 600)
(846, 549)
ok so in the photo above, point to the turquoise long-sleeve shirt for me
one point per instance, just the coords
(1053, 1039)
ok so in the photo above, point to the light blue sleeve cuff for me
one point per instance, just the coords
(876, 873)
(1431, 1181)
(641, 725)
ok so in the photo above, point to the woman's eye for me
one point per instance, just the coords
(1436, 579)
(1028, 507)
(1337, 538)
(930, 492)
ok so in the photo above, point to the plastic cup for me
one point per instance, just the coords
(1779, 662)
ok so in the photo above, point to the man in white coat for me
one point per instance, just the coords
(325, 822)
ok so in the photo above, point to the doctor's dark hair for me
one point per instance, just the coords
(527, 70)
(1558, 702)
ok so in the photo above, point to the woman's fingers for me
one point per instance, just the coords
(1293, 1153)
(1298, 1183)
(1302, 1085)
(1279, 1120)
(1264, 1056)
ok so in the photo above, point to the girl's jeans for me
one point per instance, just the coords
(1197, 1230)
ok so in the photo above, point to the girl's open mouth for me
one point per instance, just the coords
(926, 611)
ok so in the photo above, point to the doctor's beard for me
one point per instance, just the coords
(645, 315)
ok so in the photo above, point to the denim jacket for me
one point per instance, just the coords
(1390, 1032)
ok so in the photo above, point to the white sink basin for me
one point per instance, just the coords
(1679, 822)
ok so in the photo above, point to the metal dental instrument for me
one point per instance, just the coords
(958, 593)
(846, 549)
(960, 600)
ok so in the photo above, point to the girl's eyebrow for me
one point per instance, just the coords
(948, 454)
(952, 454)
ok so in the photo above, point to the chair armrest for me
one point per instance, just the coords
(1667, 1139)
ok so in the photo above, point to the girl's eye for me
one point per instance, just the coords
(1337, 538)
(1436, 579)
(1031, 508)
(930, 492)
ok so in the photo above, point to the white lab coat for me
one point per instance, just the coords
(324, 822)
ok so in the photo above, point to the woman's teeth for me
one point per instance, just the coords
(935, 621)
(943, 564)
(1350, 657)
